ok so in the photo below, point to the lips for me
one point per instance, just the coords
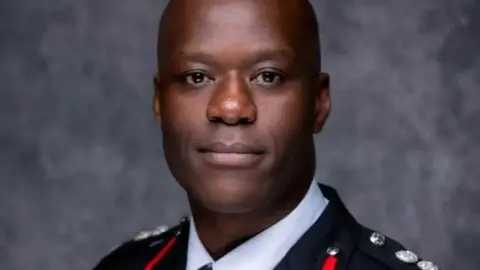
(231, 148)
(231, 154)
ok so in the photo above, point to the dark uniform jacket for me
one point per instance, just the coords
(336, 241)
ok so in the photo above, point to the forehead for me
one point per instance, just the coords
(234, 27)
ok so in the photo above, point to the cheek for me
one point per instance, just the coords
(284, 117)
(183, 120)
(174, 130)
(181, 113)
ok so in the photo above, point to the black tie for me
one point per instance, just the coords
(206, 267)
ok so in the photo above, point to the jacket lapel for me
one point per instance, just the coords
(176, 258)
(332, 227)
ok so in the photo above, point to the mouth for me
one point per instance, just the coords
(231, 154)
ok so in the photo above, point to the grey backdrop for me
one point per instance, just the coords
(81, 163)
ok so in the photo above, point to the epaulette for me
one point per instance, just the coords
(391, 253)
(145, 237)
(141, 242)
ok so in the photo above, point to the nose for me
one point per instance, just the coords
(232, 104)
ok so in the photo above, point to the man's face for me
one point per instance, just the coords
(238, 104)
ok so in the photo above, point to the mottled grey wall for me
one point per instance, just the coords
(81, 166)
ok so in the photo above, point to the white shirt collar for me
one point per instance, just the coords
(266, 249)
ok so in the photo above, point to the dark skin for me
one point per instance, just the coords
(239, 95)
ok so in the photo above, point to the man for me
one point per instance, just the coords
(239, 96)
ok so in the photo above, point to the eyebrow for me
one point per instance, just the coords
(272, 54)
(199, 57)
(256, 57)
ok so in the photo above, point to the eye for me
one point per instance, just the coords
(268, 78)
(197, 79)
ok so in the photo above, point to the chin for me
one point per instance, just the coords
(231, 195)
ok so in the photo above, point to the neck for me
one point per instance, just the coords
(220, 233)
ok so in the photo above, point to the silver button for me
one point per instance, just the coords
(377, 239)
(159, 230)
(143, 235)
(406, 256)
(333, 251)
(426, 265)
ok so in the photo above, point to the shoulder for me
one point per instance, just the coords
(376, 251)
(136, 249)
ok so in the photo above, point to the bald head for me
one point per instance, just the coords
(295, 20)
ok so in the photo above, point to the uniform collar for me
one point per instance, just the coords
(336, 227)
(266, 249)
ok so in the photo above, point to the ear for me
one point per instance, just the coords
(322, 101)
(156, 99)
